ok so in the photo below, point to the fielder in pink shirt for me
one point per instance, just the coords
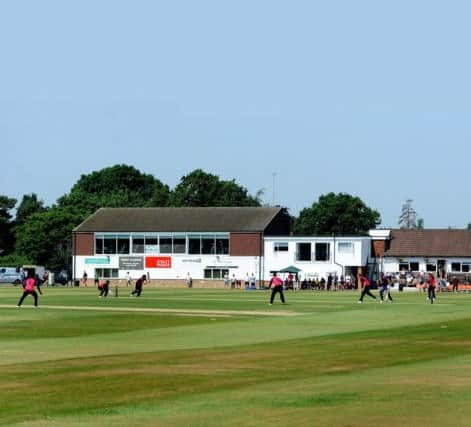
(277, 284)
(29, 289)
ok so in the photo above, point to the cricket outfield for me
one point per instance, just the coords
(192, 357)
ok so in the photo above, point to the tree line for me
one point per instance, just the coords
(42, 235)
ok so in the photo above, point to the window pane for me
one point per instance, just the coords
(208, 245)
(165, 245)
(109, 245)
(455, 266)
(151, 245)
(216, 274)
(414, 266)
(222, 246)
(138, 245)
(179, 245)
(429, 267)
(114, 273)
(465, 268)
(404, 266)
(280, 246)
(123, 245)
(194, 245)
(99, 245)
(322, 251)
(207, 273)
(303, 252)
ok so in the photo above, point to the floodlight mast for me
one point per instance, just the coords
(274, 176)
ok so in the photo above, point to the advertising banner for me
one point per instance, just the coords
(158, 262)
(103, 260)
(131, 263)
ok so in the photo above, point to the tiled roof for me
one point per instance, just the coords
(206, 219)
(440, 243)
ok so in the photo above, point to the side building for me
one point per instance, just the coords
(168, 243)
(443, 252)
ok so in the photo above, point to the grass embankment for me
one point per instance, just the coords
(321, 360)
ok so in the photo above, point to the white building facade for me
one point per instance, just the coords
(316, 257)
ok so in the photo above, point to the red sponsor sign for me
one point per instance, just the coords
(158, 262)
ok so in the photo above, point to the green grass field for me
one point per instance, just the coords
(192, 357)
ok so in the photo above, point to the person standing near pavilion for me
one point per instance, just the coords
(455, 283)
(84, 278)
(431, 288)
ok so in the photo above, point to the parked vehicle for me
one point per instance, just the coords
(10, 275)
(34, 270)
(61, 277)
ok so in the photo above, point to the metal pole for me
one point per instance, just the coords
(274, 175)
(74, 266)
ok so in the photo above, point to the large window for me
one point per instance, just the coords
(222, 245)
(151, 245)
(194, 244)
(179, 244)
(410, 266)
(138, 244)
(123, 244)
(165, 244)
(322, 251)
(208, 245)
(403, 266)
(98, 244)
(303, 252)
(109, 244)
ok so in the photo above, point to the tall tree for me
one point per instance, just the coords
(7, 238)
(29, 205)
(340, 214)
(408, 217)
(46, 237)
(200, 188)
(116, 186)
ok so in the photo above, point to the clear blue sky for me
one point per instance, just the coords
(370, 98)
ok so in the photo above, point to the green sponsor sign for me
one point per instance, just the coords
(103, 260)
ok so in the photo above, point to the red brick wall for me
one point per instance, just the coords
(379, 247)
(246, 244)
(84, 244)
